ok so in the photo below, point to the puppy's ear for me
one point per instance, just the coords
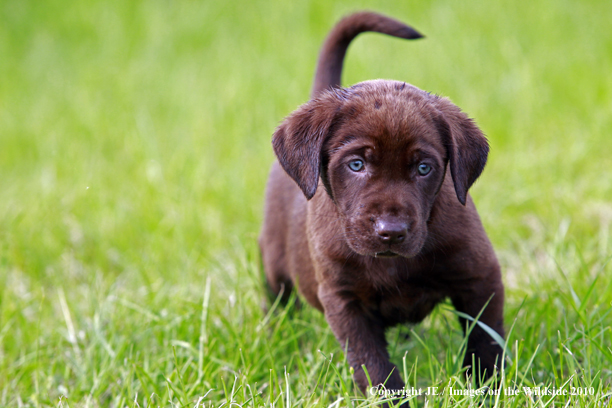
(299, 139)
(466, 147)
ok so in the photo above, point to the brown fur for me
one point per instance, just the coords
(383, 245)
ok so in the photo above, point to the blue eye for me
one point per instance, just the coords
(356, 165)
(424, 169)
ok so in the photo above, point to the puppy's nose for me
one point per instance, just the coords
(391, 232)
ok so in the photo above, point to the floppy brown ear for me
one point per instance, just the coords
(466, 146)
(299, 139)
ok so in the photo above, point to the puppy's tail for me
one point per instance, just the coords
(329, 67)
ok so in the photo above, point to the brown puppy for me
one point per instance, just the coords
(369, 210)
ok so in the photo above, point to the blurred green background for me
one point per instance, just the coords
(135, 146)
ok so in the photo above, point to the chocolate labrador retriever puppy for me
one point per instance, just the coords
(368, 213)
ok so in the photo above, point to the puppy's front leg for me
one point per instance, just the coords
(363, 338)
(485, 351)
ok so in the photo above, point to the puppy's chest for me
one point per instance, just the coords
(408, 305)
(397, 298)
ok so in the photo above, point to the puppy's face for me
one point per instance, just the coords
(381, 149)
(384, 174)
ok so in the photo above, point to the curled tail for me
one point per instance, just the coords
(329, 66)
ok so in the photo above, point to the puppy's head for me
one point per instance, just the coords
(381, 149)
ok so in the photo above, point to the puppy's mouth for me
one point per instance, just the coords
(386, 254)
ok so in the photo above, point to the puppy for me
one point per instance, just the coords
(367, 211)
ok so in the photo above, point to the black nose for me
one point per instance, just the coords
(391, 232)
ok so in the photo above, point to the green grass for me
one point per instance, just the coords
(134, 150)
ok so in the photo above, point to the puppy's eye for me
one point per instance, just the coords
(424, 169)
(356, 165)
